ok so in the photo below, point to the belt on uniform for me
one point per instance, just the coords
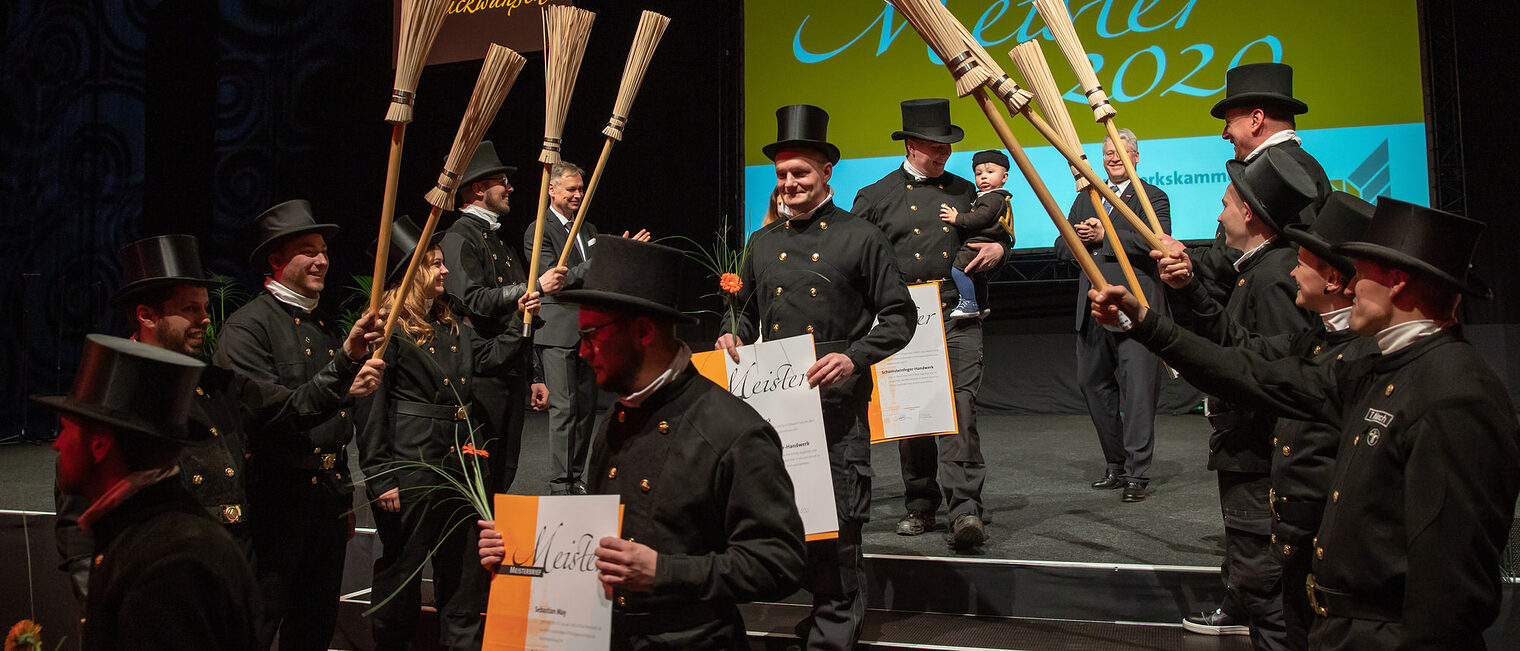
(314, 461)
(674, 618)
(1328, 601)
(822, 348)
(430, 410)
(1295, 511)
(1231, 420)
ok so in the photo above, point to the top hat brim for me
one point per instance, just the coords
(327, 231)
(625, 302)
(480, 174)
(1294, 106)
(131, 290)
(1237, 174)
(1299, 234)
(178, 434)
(826, 148)
(956, 135)
(1471, 285)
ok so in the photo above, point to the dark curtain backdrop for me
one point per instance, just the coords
(121, 119)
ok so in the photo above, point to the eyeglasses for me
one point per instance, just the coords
(587, 333)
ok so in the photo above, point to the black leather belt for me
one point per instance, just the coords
(430, 410)
(686, 616)
(1304, 513)
(314, 461)
(1327, 601)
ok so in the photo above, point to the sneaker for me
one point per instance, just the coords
(1215, 623)
(966, 309)
(915, 523)
(967, 532)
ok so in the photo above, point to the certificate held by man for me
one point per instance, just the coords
(771, 377)
(546, 594)
(912, 394)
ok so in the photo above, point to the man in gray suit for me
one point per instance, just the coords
(564, 377)
(1119, 377)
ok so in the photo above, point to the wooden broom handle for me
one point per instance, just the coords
(1134, 177)
(580, 215)
(406, 281)
(538, 242)
(1068, 234)
(1113, 240)
(387, 216)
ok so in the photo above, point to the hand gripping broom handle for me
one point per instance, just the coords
(580, 214)
(387, 215)
(1068, 235)
(538, 242)
(1113, 240)
(407, 281)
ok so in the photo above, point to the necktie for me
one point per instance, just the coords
(1106, 206)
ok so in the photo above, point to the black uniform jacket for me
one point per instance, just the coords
(908, 212)
(415, 415)
(561, 325)
(1261, 305)
(487, 277)
(1135, 248)
(1426, 477)
(702, 482)
(270, 341)
(985, 212)
(166, 576)
(831, 276)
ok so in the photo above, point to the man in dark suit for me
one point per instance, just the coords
(488, 280)
(1119, 377)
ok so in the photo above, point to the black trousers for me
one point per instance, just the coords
(572, 410)
(300, 534)
(430, 526)
(498, 408)
(1298, 614)
(956, 459)
(1119, 380)
(836, 569)
(1252, 572)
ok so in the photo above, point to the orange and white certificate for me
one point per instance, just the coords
(771, 378)
(546, 595)
(912, 394)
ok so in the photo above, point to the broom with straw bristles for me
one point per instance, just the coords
(1030, 61)
(565, 33)
(957, 38)
(1059, 22)
(651, 28)
(938, 29)
(497, 75)
(420, 21)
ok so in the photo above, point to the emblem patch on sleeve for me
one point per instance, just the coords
(1380, 417)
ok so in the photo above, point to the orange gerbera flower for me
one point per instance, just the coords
(469, 448)
(730, 283)
(26, 635)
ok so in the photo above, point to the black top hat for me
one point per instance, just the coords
(161, 261)
(633, 275)
(1274, 185)
(404, 237)
(1422, 240)
(1258, 84)
(484, 163)
(285, 220)
(994, 156)
(1343, 218)
(802, 126)
(133, 386)
(928, 119)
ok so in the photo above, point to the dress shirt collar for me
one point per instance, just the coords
(786, 211)
(1253, 252)
(1337, 320)
(492, 220)
(1274, 139)
(913, 172)
(677, 364)
(1395, 337)
(289, 296)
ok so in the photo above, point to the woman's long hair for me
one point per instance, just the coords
(415, 317)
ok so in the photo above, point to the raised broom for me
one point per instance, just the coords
(497, 75)
(420, 21)
(565, 32)
(651, 28)
(1059, 22)
(1030, 61)
(938, 29)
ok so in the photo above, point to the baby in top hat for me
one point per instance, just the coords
(990, 168)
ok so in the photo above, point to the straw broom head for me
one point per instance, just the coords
(420, 21)
(496, 77)
(938, 28)
(651, 28)
(565, 32)
(1059, 22)
(1030, 60)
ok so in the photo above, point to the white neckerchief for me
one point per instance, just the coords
(565, 223)
(913, 172)
(492, 220)
(786, 211)
(1337, 320)
(1274, 139)
(979, 193)
(1249, 254)
(677, 364)
(289, 296)
(128, 486)
(1396, 337)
